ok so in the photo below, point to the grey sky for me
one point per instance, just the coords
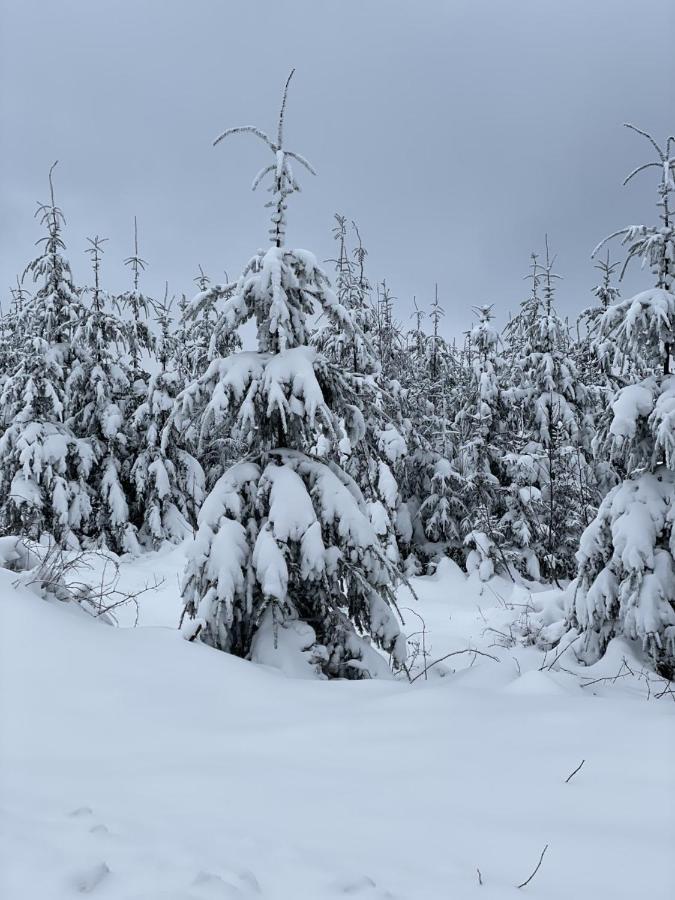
(455, 133)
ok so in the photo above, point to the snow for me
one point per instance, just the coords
(630, 404)
(627, 584)
(135, 765)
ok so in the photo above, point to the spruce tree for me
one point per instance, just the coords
(139, 338)
(168, 480)
(547, 503)
(284, 534)
(603, 369)
(479, 419)
(199, 337)
(353, 347)
(98, 386)
(375, 460)
(626, 575)
(43, 466)
(202, 336)
(433, 486)
(10, 341)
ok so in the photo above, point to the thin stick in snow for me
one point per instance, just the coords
(536, 870)
(572, 774)
(455, 653)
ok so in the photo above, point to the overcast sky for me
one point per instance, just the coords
(455, 133)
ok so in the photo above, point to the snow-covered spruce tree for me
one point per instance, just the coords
(97, 386)
(202, 336)
(139, 338)
(168, 481)
(199, 339)
(626, 575)
(353, 349)
(602, 369)
(432, 486)
(599, 358)
(388, 338)
(547, 505)
(10, 341)
(194, 331)
(43, 467)
(426, 373)
(375, 459)
(284, 535)
(482, 410)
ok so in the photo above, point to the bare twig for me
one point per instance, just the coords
(423, 632)
(572, 774)
(612, 678)
(558, 655)
(55, 573)
(455, 653)
(536, 870)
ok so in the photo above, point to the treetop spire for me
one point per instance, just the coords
(283, 181)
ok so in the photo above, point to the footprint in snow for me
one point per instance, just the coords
(248, 878)
(363, 885)
(81, 812)
(358, 885)
(89, 879)
(235, 884)
(215, 886)
(162, 895)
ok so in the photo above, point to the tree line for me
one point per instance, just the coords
(350, 451)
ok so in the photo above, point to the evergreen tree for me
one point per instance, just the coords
(10, 341)
(285, 534)
(375, 459)
(195, 329)
(547, 503)
(202, 335)
(97, 386)
(200, 338)
(433, 486)
(139, 338)
(602, 369)
(43, 466)
(168, 480)
(352, 347)
(479, 424)
(626, 574)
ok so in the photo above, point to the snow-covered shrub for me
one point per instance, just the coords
(442, 511)
(482, 557)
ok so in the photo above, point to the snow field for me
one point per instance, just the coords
(138, 766)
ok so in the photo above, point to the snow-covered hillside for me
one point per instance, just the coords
(138, 766)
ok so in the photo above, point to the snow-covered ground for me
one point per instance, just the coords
(137, 766)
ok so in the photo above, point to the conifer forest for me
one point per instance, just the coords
(310, 588)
